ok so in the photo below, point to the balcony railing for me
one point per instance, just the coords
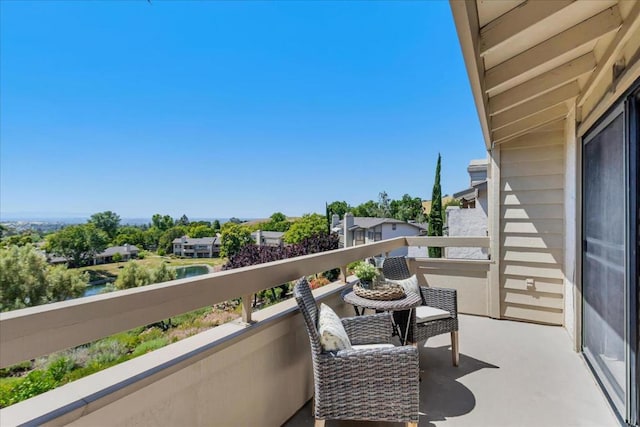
(29, 333)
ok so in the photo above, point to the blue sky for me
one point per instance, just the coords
(219, 109)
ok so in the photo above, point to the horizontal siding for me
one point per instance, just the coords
(547, 182)
(532, 197)
(551, 152)
(532, 168)
(549, 256)
(535, 226)
(533, 212)
(532, 228)
(538, 241)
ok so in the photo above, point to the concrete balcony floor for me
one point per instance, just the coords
(510, 374)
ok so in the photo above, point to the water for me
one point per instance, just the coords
(181, 273)
(191, 271)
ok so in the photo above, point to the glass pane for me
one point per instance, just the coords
(604, 258)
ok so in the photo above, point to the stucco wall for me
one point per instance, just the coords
(470, 223)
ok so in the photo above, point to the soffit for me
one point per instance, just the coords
(536, 59)
(488, 10)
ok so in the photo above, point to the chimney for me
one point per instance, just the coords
(126, 247)
(348, 223)
(335, 220)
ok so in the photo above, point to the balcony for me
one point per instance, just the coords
(258, 372)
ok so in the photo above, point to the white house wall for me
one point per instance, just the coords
(402, 229)
(467, 222)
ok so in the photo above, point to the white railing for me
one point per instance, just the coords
(37, 331)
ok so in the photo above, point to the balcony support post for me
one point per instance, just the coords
(343, 273)
(246, 309)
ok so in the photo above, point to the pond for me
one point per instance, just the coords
(191, 271)
(181, 273)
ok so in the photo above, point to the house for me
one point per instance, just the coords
(557, 90)
(358, 230)
(470, 218)
(126, 252)
(268, 238)
(201, 247)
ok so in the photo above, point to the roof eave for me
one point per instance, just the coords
(465, 16)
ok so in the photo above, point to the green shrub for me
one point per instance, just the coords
(117, 257)
(161, 252)
(6, 389)
(60, 367)
(37, 382)
(148, 346)
(148, 335)
(107, 351)
(142, 254)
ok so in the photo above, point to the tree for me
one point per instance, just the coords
(383, 210)
(216, 225)
(131, 235)
(162, 273)
(27, 280)
(64, 284)
(366, 209)
(132, 276)
(233, 237)
(201, 231)
(435, 216)
(338, 208)
(165, 242)
(305, 227)
(117, 257)
(408, 208)
(106, 221)
(235, 220)
(162, 222)
(183, 220)
(77, 243)
(278, 217)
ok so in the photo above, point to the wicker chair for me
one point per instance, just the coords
(376, 384)
(395, 268)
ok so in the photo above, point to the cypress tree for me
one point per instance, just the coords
(435, 216)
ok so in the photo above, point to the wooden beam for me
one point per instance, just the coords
(573, 38)
(465, 16)
(629, 26)
(518, 19)
(543, 83)
(548, 100)
(531, 122)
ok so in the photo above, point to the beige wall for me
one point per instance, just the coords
(232, 375)
(532, 226)
(468, 277)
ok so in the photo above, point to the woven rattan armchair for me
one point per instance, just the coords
(396, 268)
(377, 384)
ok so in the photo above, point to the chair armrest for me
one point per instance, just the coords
(396, 364)
(442, 298)
(369, 329)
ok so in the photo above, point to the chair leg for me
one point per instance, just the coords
(455, 356)
(320, 423)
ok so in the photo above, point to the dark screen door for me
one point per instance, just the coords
(604, 257)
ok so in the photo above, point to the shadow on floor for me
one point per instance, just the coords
(441, 395)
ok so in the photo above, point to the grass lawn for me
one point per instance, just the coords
(111, 271)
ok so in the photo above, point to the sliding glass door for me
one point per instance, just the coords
(609, 256)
